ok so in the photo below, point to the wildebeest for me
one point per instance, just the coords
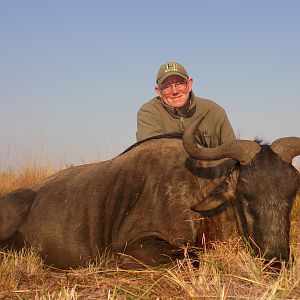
(153, 199)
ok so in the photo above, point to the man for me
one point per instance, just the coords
(176, 106)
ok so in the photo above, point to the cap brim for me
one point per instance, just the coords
(162, 78)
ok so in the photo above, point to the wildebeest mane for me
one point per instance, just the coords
(156, 137)
(175, 135)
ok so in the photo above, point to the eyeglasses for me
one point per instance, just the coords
(179, 86)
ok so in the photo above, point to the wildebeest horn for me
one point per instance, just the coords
(287, 148)
(241, 150)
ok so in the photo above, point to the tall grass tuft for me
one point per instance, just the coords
(11, 179)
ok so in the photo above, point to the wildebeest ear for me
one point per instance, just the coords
(220, 198)
(209, 203)
(211, 206)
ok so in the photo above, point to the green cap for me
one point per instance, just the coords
(171, 68)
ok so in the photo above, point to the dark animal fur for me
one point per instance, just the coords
(139, 204)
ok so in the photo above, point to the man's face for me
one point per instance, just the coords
(175, 90)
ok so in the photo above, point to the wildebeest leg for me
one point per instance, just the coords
(148, 251)
(13, 211)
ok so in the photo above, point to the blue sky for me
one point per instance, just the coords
(73, 74)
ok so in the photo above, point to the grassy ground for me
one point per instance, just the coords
(225, 272)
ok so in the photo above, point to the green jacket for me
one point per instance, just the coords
(155, 118)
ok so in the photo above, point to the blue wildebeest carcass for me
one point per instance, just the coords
(153, 199)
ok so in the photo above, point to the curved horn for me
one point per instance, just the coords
(241, 150)
(287, 148)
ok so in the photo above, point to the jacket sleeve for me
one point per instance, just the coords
(148, 124)
(222, 131)
(226, 132)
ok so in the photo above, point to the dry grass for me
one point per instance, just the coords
(226, 272)
(11, 180)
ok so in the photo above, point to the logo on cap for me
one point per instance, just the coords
(171, 67)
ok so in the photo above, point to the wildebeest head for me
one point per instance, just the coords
(262, 189)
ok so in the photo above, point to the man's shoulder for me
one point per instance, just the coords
(207, 103)
(204, 101)
(153, 103)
